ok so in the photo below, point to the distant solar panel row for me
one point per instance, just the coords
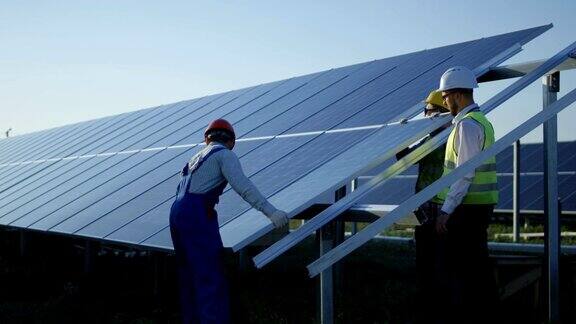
(531, 181)
(114, 178)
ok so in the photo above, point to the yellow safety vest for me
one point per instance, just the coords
(484, 187)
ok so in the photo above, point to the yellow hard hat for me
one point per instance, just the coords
(435, 98)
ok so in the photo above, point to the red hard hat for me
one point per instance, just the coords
(222, 124)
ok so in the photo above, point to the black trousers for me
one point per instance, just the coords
(456, 276)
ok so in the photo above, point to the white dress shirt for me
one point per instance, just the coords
(468, 141)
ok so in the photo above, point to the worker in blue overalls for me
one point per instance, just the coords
(194, 224)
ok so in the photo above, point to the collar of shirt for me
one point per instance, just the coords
(214, 143)
(463, 113)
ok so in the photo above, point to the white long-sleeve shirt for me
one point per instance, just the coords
(224, 166)
(468, 141)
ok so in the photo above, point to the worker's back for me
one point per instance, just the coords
(206, 167)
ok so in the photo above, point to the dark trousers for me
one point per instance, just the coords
(427, 256)
(466, 271)
(455, 275)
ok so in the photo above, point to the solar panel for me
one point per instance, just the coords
(114, 178)
(568, 190)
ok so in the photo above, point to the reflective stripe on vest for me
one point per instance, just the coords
(484, 187)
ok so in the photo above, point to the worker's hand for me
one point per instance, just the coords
(279, 218)
(441, 223)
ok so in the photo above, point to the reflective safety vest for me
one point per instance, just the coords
(484, 187)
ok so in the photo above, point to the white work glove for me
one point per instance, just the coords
(279, 218)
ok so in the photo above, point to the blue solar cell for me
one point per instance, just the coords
(27, 174)
(567, 156)
(118, 134)
(183, 121)
(94, 143)
(125, 187)
(56, 172)
(505, 192)
(161, 125)
(530, 191)
(194, 131)
(344, 98)
(106, 172)
(74, 137)
(96, 199)
(14, 153)
(293, 93)
(141, 227)
(392, 192)
(121, 140)
(39, 199)
(10, 145)
(413, 86)
(504, 161)
(568, 193)
(160, 240)
(532, 158)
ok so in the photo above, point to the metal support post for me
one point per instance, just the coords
(244, 260)
(353, 187)
(22, 243)
(329, 236)
(156, 265)
(326, 286)
(89, 256)
(516, 193)
(550, 89)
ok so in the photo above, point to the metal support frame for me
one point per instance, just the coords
(329, 236)
(516, 193)
(373, 229)
(550, 88)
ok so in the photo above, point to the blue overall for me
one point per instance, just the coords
(198, 247)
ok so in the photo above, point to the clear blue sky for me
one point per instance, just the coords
(69, 61)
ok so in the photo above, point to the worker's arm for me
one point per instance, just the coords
(469, 143)
(232, 171)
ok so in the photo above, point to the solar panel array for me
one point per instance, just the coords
(531, 179)
(114, 178)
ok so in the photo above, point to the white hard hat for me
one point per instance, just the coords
(458, 77)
